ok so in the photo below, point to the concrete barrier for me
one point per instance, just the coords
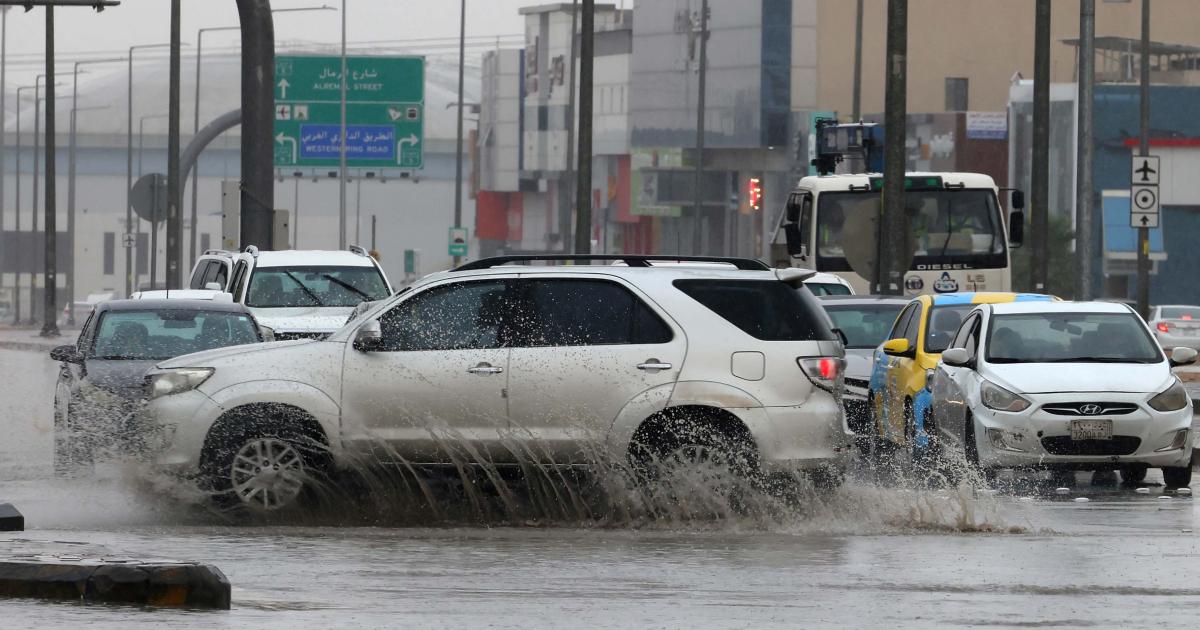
(29, 572)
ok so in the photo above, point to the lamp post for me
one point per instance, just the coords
(71, 177)
(196, 113)
(129, 164)
(75, 109)
(17, 215)
(3, 113)
(342, 142)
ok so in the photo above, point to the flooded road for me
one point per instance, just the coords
(866, 557)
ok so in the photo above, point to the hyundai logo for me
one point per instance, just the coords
(1090, 409)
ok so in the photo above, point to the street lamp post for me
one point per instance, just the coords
(75, 109)
(129, 165)
(342, 143)
(17, 214)
(3, 113)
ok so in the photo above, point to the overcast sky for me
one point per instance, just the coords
(147, 22)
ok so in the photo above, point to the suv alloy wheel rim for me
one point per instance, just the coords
(267, 474)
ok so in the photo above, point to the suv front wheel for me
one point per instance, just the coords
(262, 465)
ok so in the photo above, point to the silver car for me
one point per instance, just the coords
(1176, 326)
(865, 320)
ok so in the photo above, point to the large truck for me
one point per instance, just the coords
(958, 236)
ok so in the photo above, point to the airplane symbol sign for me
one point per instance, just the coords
(1144, 171)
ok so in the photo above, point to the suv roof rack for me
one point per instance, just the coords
(214, 252)
(633, 260)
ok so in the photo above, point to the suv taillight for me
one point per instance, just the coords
(824, 372)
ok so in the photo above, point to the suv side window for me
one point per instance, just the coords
(220, 276)
(578, 312)
(239, 281)
(460, 316)
(198, 276)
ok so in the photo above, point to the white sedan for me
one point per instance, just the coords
(1063, 385)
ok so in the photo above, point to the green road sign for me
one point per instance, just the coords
(458, 242)
(385, 111)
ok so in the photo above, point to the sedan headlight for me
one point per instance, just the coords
(1173, 399)
(1000, 399)
(175, 381)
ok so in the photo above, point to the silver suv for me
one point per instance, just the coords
(499, 364)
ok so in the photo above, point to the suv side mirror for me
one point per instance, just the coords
(899, 348)
(1016, 228)
(1017, 201)
(268, 333)
(213, 286)
(66, 354)
(368, 337)
(1183, 356)
(956, 357)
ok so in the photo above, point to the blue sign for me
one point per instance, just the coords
(363, 142)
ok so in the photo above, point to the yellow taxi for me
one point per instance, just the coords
(898, 396)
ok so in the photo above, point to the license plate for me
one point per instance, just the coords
(1091, 429)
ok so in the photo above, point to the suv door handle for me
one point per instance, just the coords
(653, 365)
(485, 368)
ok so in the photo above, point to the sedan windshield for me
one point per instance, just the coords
(865, 325)
(1180, 312)
(283, 287)
(1070, 338)
(164, 334)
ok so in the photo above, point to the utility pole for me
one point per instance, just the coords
(698, 199)
(1143, 252)
(174, 275)
(856, 99)
(894, 222)
(1039, 177)
(50, 281)
(458, 152)
(17, 216)
(583, 175)
(1084, 197)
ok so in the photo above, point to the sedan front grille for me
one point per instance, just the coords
(1085, 409)
(1064, 445)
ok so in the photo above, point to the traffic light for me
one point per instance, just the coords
(756, 193)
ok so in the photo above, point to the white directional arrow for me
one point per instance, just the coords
(282, 139)
(283, 87)
(411, 139)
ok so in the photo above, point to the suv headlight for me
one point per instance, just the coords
(175, 381)
(1000, 399)
(1173, 399)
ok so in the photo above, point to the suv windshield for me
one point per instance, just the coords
(765, 309)
(164, 334)
(865, 325)
(947, 226)
(1070, 338)
(282, 287)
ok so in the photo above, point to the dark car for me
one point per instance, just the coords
(102, 376)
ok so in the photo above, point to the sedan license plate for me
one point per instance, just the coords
(1091, 430)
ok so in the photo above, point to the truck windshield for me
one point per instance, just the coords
(947, 227)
